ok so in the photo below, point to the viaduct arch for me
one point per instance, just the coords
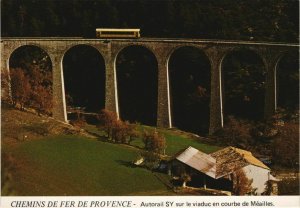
(253, 96)
(215, 50)
(189, 82)
(137, 84)
(84, 78)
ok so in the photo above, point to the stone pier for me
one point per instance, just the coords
(162, 49)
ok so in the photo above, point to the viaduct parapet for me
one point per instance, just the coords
(215, 50)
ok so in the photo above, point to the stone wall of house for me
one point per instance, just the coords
(260, 177)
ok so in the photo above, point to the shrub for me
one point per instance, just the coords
(285, 148)
(151, 159)
(42, 100)
(116, 129)
(154, 141)
(108, 121)
(241, 184)
(32, 88)
(236, 132)
(20, 87)
(120, 132)
(289, 187)
(263, 134)
(5, 85)
(79, 121)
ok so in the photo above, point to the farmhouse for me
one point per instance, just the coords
(222, 170)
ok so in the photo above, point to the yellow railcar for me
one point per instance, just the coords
(117, 33)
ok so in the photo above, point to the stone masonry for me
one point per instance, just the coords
(215, 50)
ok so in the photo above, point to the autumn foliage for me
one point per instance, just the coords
(241, 184)
(119, 131)
(107, 120)
(116, 130)
(20, 88)
(236, 132)
(285, 147)
(154, 142)
(5, 85)
(31, 88)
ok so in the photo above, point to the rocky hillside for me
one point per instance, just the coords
(19, 125)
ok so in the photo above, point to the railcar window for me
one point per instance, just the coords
(116, 33)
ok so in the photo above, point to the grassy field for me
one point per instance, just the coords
(176, 143)
(75, 164)
(69, 165)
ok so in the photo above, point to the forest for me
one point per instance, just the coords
(257, 20)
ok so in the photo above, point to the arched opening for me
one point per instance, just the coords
(189, 72)
(30, 70)
(287, 82)
(243, 84)
(84, 79)
(137, 78)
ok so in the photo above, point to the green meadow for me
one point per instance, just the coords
(73, 165)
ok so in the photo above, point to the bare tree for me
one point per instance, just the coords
(241, 183)
(154, 142)
(108, 121)
(20, 87)
(5, 86)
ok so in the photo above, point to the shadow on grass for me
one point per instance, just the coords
(94, 134)
(136, 146)
(102, 138)
(106, 139)
(126, 163)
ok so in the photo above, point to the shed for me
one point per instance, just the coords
(223, 164)
(198, 160)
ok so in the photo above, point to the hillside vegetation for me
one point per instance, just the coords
(265, 20)
(59, 159)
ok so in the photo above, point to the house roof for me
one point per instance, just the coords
(251, 159)
(219, 163)
(231, 159)
(198, 160)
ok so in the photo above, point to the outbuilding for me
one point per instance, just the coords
(221, 170)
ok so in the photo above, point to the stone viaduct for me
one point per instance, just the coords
(215, 50)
